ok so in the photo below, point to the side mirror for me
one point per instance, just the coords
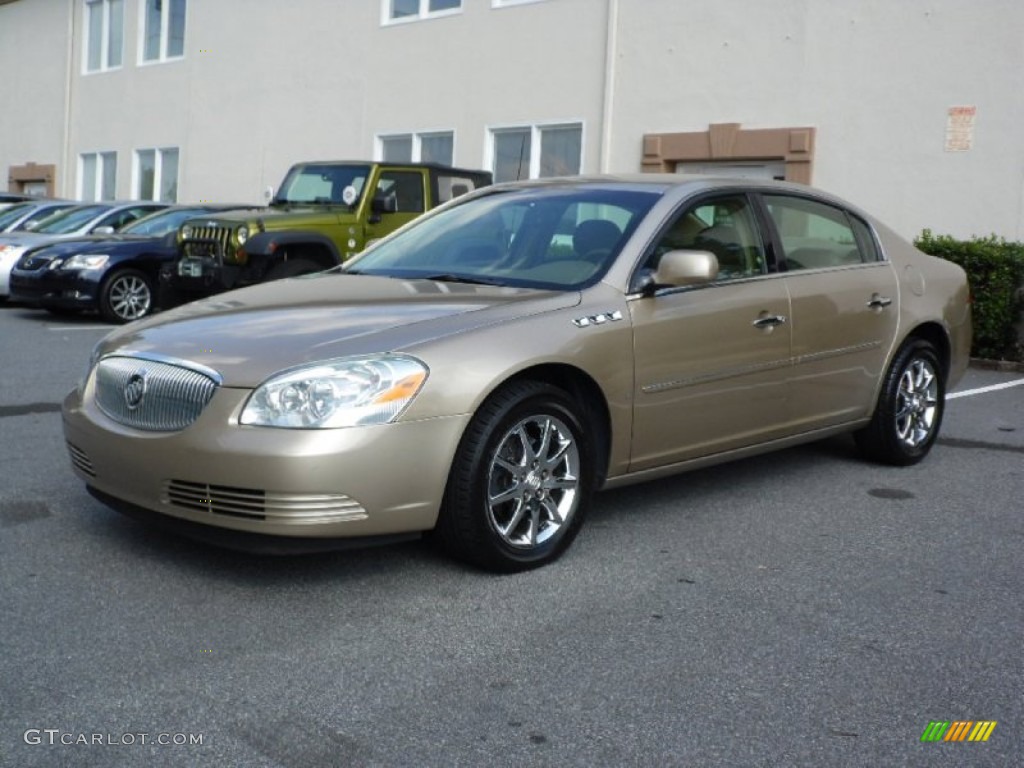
(104, 230)
(682, 268)
(384, 204)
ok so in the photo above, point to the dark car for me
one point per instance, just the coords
(115, 273)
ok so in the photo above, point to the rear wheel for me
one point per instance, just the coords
(910, 407)
(521, 481)
(126, 295)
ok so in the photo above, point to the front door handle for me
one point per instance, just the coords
(769, 321)
(877, 302)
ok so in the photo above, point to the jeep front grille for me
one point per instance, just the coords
(152, 395)
(209, 241)
(256, 504)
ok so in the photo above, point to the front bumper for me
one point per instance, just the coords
(51, 288)
(300, 484)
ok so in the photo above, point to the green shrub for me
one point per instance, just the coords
(995, 270)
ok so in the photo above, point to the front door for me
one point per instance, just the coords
(712, 361)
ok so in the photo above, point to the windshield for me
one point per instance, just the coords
(63, 222)
(11, 214)
(162, 222)
(556, 238)
(321, 183)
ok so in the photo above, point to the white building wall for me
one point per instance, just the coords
(34, 46)
(264, 84)
(875, 77)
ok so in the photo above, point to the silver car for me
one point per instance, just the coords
(481, 372)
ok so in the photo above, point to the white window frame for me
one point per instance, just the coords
(158, 168)
(386, 19)
(510, 3)
(165, 36)
(536, 129)
(417, 142)
(105, 50)
(97, 190)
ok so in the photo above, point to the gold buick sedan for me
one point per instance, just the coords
(481, 372)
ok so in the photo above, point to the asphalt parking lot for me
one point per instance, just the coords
(801, 608)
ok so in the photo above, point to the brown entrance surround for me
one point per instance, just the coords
(728, 141)
(20, 175)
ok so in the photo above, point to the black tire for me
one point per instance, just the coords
(542, 506)
(910, 406)
(291, 268)
(127, 295)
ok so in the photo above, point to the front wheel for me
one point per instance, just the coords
(521, 481)
(126, 295)
(909, 410)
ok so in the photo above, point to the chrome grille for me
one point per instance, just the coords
(199, 244)
(33, 263)
(81, 460)
(152, 395)
(255, 504)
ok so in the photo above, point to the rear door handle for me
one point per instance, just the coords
(877, 302)
(769, 321)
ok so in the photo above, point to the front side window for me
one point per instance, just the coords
(538, 151)
(97, 179)
(156, 174)
(104, 26)
(814, 235)
(724, 226)
(406, 187)
(435, 147)
(410, 10)
(163, 29)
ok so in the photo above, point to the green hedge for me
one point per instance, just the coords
(995, 270)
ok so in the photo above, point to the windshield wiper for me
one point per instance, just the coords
(448, 277)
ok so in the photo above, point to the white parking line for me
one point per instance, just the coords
(983, 390)
(79, 327)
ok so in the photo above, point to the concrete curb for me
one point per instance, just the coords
(1009, 366)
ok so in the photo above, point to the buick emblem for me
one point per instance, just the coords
(135, 389)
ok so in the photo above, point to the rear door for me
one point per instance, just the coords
(845, 308)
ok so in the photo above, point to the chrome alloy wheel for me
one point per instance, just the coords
(533, 481)
(917, 402)
(130, 297)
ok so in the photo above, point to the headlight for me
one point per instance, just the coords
(242, 235)
(337, 393)
(86, 261)
(186, 232)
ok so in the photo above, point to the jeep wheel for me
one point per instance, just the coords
(291, 268)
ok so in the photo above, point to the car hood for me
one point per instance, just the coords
(293, 215)
(97, 244)
(250, 334)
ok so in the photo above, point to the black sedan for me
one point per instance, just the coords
(115, 274)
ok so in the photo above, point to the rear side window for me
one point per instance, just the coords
(450, 186)
(814, 235)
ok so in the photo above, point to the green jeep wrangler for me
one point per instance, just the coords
(321, 215)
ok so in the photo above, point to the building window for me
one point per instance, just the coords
(97, 176)
(104, 24)
(433, 147)
(530, 152)
(163, 29)
(394, 11)
(156, 174)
